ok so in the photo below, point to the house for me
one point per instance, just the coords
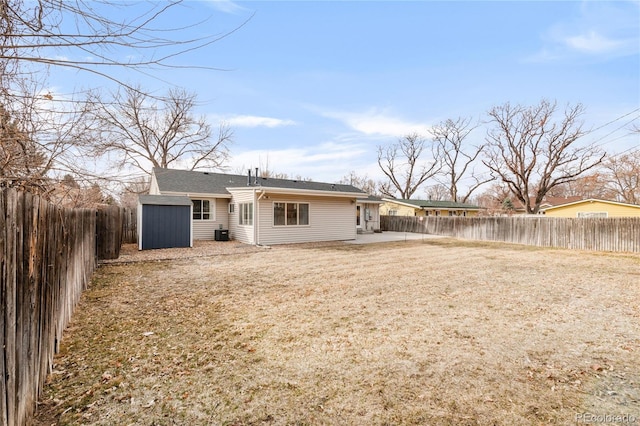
(368, 214)
(398, 207)
(265, 211)
(519, 207)
(593, 208)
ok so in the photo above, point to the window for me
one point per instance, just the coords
(303, 214)
(290, 214)
(232, 208)
(591, 215)
(393, 212)
(201, 209)
(246, 213)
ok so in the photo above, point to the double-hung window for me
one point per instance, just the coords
(246, 214)
(592, 215)
(290, 214)
(201, 209)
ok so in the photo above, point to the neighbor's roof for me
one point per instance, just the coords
(592, 200)
(164, 200)
(171, 180)
(372, 199)
(432, 204)
(547, 201)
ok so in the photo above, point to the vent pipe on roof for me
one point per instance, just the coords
(256, 178)
(249, 178)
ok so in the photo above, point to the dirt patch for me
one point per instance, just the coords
(422, 332)
(130, 253)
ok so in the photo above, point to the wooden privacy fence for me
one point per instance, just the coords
(611, 234)
(129, 226)
(47, 256)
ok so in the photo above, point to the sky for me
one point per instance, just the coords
(311, 89)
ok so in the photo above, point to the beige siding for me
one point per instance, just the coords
(153, 188)
(399, 209)
(330, 219)
(205, 229)
(242, 233)
(589, 206)
(372, 222)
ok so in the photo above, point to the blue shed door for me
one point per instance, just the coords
(166, 226)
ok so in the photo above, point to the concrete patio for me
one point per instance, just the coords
(389, 236)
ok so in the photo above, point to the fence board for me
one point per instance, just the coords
(597, 234)
(47, 256)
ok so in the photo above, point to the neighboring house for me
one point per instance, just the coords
(396, 207)
(263, 211)
(547, 202)
(593, 208)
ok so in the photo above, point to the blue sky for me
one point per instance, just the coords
(312, 88)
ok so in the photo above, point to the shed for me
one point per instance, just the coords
(164, 221)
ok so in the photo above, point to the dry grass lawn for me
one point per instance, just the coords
(435, 332)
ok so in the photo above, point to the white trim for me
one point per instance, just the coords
(139, 224)
(197, 195)
(241, 213)
(295, 191)
(212, 210)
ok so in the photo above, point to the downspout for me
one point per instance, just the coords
(256, 217)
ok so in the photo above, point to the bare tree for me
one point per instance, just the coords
(80, 35)
(363, 182)
(22, 161)
(93, 37)
(592, 185)
(494, 199)
(458, 157)
(438, 192)
(143, 132)
(623, 176)
(137, 186)
(532, 152)
(405, 166)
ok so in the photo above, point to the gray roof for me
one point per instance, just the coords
(171, 180)
(426, 204)
(164, 200)
(371, 199)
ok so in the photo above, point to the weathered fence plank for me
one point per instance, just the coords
(598, 234)
(47, 256)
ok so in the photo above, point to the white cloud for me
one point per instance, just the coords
(254, 121)
(227, 6)
(592, 42)
(375, 122)
(600, 30)
(326, 162)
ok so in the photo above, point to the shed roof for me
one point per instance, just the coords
(171, 180)
(164, 200)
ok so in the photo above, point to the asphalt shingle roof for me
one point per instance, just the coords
(438, 204)
(172, 180)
